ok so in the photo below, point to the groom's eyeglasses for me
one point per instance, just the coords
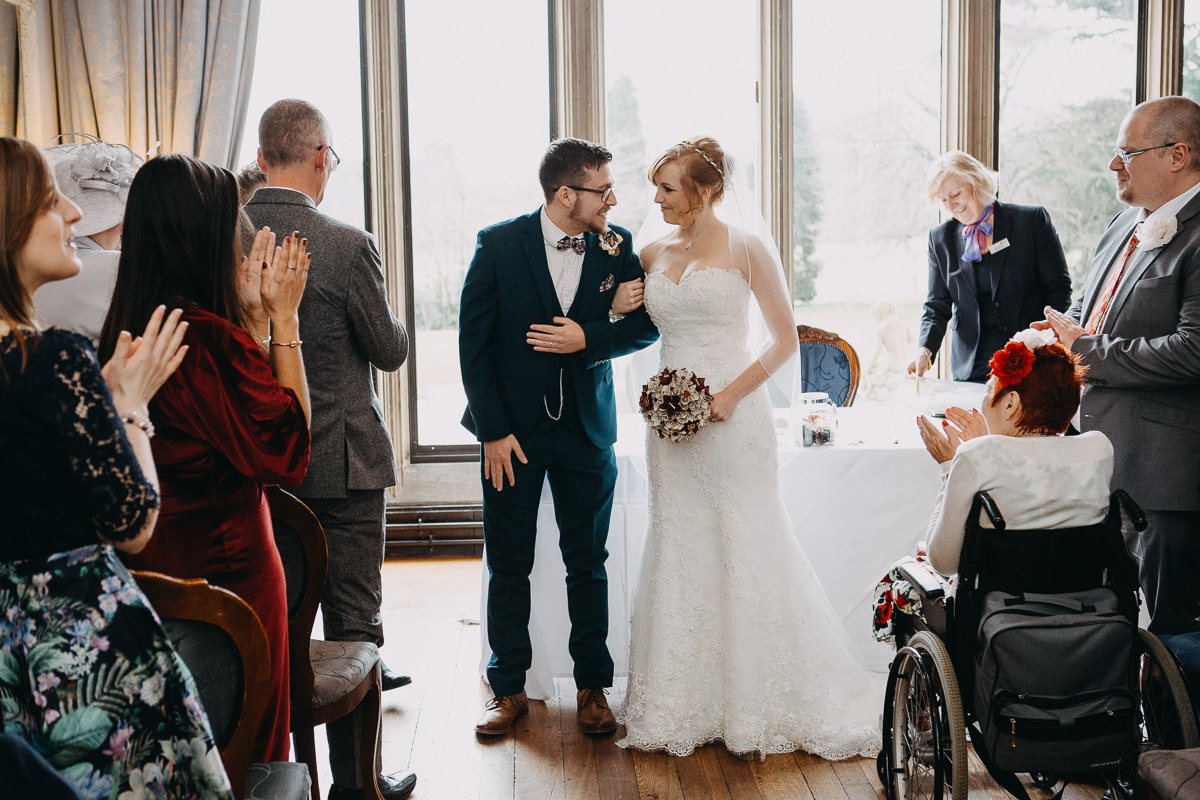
(605, 194)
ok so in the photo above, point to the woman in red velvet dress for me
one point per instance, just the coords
(234, 416)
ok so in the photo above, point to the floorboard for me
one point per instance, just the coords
(431, 611)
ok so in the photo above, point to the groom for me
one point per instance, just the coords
(536, 333)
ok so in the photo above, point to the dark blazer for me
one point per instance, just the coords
(1028, 275)
(1143, 379)
(347, 327)
(508, 288)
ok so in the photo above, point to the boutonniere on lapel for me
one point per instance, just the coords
(1154, 233)
(607, 283)
(610, 242)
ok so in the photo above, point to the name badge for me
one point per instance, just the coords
(998, 246)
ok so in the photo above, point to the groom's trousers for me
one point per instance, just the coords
(582, 480)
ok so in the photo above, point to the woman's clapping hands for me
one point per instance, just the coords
(139, 366)
(271, 279)
(959, 425)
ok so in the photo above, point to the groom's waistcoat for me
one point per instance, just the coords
(508, 288)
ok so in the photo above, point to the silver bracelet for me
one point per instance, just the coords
(139, 421)
(614, 316)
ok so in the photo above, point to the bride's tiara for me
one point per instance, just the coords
(704, 155)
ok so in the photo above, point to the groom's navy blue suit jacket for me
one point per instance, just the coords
(508, 288)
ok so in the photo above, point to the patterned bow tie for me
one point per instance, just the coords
(576, 243)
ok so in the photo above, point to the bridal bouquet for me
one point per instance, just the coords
(675, 404)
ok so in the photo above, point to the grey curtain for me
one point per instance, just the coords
(162, 76)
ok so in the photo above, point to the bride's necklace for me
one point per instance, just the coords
(695, 238)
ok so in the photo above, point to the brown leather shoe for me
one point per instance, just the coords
(594, 716)
(500, 713)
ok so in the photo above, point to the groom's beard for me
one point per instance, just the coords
(595, 222)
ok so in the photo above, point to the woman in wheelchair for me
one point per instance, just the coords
(1036, 648)
(1015, 451)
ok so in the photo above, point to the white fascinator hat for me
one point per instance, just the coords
(95, 176)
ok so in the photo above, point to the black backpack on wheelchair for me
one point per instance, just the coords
(1037, 655)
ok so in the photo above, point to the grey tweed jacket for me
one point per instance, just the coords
(347, 327)
(1143, 380)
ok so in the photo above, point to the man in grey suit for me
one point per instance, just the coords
(347, 328)
(1137, 329)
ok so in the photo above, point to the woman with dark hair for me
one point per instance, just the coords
(231, 419)
(1015, 450)
(87, 675)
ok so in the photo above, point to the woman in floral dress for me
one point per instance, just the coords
(87, 675)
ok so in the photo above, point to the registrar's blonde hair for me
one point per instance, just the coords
(968, 169)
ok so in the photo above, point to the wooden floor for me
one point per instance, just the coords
(431, 609)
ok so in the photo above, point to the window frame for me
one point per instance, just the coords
(970, 64)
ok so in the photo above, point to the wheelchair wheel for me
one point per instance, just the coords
(1167, 719)
(924, 734)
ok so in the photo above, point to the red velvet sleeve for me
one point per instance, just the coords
(224, 395)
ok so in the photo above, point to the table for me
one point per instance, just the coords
(856, 507)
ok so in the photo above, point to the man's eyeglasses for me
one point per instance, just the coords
(334, 159)
(1126, 155)
(605, 194)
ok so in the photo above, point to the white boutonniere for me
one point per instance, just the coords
(610, 242)
(1154, 232)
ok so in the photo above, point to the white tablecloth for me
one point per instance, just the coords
(856, 507)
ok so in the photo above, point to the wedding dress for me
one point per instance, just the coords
(732, 636)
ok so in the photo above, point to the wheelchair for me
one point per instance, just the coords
(929, 703)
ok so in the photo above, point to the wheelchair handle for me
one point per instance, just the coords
(1132, 510)
(984, 501)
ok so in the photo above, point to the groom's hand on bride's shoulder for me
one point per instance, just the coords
(497, 461)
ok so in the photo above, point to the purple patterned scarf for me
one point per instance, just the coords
(976, 236)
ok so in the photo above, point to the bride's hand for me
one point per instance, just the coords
(721, 407)
(628, 296)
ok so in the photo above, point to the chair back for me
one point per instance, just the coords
(221, 640)
(827, 364)
(302, 548)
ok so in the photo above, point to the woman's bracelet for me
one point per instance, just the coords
(293, 343)
(140, 421)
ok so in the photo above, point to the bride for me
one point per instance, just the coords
(732, 636)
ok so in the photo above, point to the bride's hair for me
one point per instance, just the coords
(702, 165)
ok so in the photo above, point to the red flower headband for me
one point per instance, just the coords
(1011, 365)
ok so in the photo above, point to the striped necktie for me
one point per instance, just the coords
(1100, 309)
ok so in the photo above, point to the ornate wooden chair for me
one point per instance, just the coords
(827, 364)
(329, 679)
(222, 642)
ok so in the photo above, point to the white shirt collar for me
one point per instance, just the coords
(551, 232)
(1172, 207)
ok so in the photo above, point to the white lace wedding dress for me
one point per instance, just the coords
(732, 635)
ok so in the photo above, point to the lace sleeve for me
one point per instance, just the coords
(78, 406)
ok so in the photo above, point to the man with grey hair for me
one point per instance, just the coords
(94, 176)
(347, 328)
(1136, 327)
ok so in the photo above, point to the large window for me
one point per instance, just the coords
(865, 129)
(1057, 126)
(474, 97)
(284, 67)
(478, 121)
(700, 80)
